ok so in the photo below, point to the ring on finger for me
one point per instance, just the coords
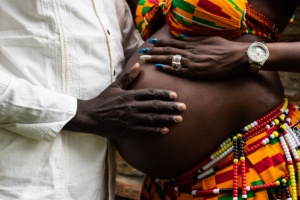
(176, 64)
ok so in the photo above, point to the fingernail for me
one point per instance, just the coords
(152, 41)
(173, 95)
(178, 118)
(182, 107)
(182, 35)
(143, 50)
(160, 66)
(165, 131)
(145, 57)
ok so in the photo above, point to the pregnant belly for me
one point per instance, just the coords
(215, 110)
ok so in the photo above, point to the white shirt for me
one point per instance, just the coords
(52, 52)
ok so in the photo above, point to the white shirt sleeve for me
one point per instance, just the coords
(32, 111)
(4, 81)
(131, 38)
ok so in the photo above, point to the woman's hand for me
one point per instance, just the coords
(202, 57)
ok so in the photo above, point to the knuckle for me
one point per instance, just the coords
(174, 106)
(169, 58)
(152, 117)
(156, 105)
(155, 58)
(128, 96)
(146, 129)
(157, 130)
(171, 42)
(160, 41)
(151, 91)
(170, 118)
(167, 50)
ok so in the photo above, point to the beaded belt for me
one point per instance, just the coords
(279, 117)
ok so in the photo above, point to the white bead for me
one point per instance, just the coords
(244, 196)
(246, 128)
(264, 142)
(272, 136)
(289, 159)
(157, 179)
(255, 123)
(216, 191)
(287, 110)
(289, 199)
(229, 139)
(176, 189)
(235, 198)
(212, 157)
(267, 140)
(252, 125)
(194, 192)
(273, 123)
(268, 126)
(286, 125)
(281, 110)
(248, 188)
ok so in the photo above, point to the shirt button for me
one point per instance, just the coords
(108, 32)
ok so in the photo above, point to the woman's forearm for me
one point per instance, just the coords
(283, 57)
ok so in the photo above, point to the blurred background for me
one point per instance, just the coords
(129, 180)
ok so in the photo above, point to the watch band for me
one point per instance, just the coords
(256, 66)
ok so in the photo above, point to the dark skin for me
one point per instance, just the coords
(215, 108)
(228, 57)
(117, 113)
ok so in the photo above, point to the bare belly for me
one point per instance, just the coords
(215, 110)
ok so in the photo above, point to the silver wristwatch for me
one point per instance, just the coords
(258, 54)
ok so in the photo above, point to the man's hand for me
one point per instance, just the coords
(119, 113)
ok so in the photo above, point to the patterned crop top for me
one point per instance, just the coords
(225, 18)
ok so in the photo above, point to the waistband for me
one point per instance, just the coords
(262, 168)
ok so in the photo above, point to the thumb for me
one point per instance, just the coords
(125, 80)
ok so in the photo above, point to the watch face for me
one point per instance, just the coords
(258, 53)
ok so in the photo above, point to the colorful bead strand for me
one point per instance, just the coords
(279, 117)
(243, 167)
(278, 184)
(235, 168)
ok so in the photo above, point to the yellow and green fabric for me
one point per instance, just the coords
(263, 166)
(226, 18)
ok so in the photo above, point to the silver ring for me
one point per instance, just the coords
(176, 64)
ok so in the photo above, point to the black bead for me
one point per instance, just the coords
(216, 168)
(221, 191)
(186, 191)
(166, 185)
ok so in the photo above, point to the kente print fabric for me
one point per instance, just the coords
(265, 165)
(225, 18)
